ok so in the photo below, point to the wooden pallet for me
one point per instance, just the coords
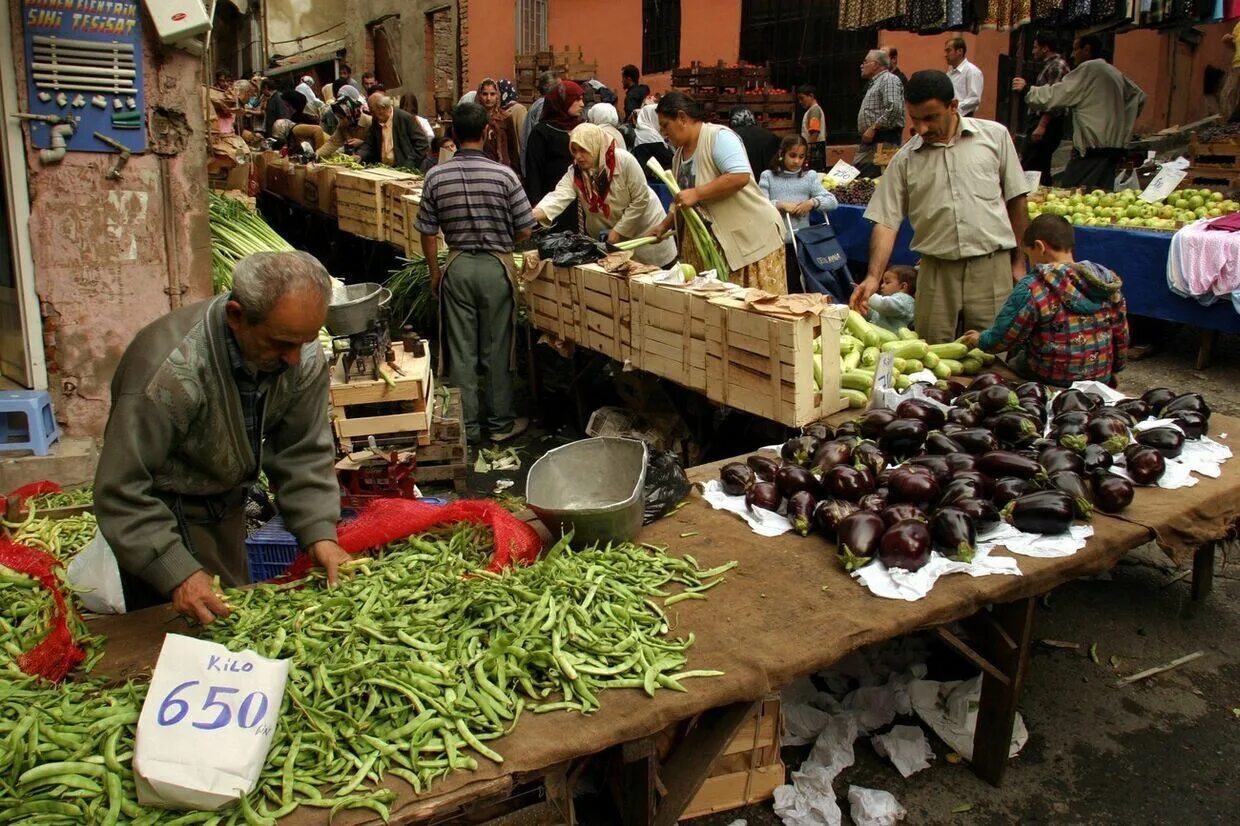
(749, 769)
(395, 415)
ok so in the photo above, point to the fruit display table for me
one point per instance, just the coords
(1138, 255)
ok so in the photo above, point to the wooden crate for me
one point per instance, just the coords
(276, 179)
(1209, 176)
(319, 188)
(605, 312)
(552, 301)
(395, 415)
(399, 212)
(359, 200)
(446, 458)
(669, 332)
(748, 771)
(1217, 155)
(765, 365)
(296, 184)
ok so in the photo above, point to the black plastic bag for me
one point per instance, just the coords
(569, 249)
(666, 485)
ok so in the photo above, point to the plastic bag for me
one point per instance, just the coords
(570, 249)
(1127, 179)
(666, 485)
(95, 574)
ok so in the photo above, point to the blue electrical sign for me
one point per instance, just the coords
(84, 61)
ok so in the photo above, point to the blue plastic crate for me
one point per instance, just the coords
(271, 550)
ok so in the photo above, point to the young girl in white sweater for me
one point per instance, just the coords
(795, 190)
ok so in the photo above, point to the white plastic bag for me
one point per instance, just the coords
(94, 573)
(206, 725)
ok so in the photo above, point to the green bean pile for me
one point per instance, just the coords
(409, 667)
(63, 499)
(62, 538)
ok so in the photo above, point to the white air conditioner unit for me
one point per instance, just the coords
(178, 20)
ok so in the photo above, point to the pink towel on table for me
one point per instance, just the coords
(1211, 260)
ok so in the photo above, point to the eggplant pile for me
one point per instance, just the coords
(898, 484)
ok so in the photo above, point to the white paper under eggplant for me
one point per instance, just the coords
(1204, 456)
(760, 521)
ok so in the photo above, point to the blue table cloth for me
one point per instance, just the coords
(1139, 256)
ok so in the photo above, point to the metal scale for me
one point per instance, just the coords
(360, 331)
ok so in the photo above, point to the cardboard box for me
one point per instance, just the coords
(319, 189)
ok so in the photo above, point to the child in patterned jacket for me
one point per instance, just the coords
(1066, 320)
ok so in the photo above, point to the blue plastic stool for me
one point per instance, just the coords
(41, 428)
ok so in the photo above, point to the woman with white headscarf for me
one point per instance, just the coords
(605, 183)
(605, 116)
(650, 142)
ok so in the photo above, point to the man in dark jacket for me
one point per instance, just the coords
(761, 144)
(635, 92)
(394, 138)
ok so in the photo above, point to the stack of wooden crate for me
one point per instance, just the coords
(400, 210)
(719, 88)
(568, 63)
(445, 461)
(360, 200)
(395, 413)
(1215, 164)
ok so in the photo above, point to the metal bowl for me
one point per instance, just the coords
(359, 309)
(593, 487)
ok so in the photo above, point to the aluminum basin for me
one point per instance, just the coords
(593, 487)
(359, 309)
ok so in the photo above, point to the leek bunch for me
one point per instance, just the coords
(236, 231)
(710, 255)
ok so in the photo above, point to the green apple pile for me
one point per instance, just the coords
(1125, 209)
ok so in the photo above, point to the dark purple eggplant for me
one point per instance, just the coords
(981, 480)
(1008, 488)
(1166, 440)
(847, 482)
(832, 453)
(997, 398)
(901, 510)
(829, 513)
(1037, 411)
(1114, 412)
(961, 461)
(984, 513)
(1071, 417)
(1016, 428)
(902, 438)
(1144, 464)
(907, 485)
(1111, 493)
(764, 467)
(976, 440)
(906, 544)
(858, 537)
(763, 495)
(1096, 459)
(958, 489)
(801, 507)
(872, 422)
(998, 463)
(873, 502)
(939, 443)
(938, 394)
(963, 417)
(1157, 398)
(1055, 459)
(1071, 400)
(792, 478)
(933, 416)
(1032, 390)
(954, 534)
(988, 379)
(1046, 512)
(869, 454)
(1192, 423)
(1109, 432)
(736, 478)
(1186, 401)
(1138, 409)
(951, 387)
(799, 450)
(1073, 485)
(818, 430)
(937, 465)
(849, 428)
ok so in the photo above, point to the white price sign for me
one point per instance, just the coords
(1034, 179)
(1164, 184)
(206, 724)
(842, 172)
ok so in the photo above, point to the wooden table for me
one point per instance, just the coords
(743, 629)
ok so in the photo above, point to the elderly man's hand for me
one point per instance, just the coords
(329, 556)
(197, 598)
(860, 298)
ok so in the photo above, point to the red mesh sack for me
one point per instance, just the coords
(388, 520)
(27, 492)
(57, 654)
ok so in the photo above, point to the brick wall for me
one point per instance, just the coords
(462, 9)
(443, 39)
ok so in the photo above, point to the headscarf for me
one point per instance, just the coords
(743, 116)
(593, 185)
(469, 97)
(307, 90)
(606, 116)
(507, 94)
(486, 81)
(648, 125)
(558, 102)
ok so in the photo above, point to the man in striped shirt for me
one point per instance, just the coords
(881, 117)
(482, 210)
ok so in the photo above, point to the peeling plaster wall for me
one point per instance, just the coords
(112, 256)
